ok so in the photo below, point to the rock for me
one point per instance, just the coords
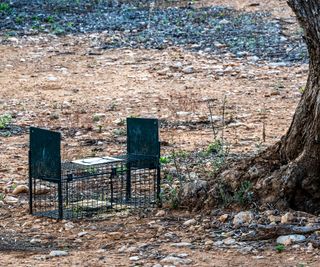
(229, 241)
(157, 265)
(163, 71)
(253, 58)
(274, 219)
(181, 244)
(42, 190)
(68, 226)
(223, 218)
(243, 218)
(287, 218)
(82, 234)
(175, 260)
(188, 70)
(214, 118)
(195, 188)
(183, 113)
(160, 213)
(58, 253)
(10, 200)
(20, 189)
(134, 258)
(35, 240)
(52, 78)
(290, 239)
(190, 222)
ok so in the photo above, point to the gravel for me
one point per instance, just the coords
(213, 30)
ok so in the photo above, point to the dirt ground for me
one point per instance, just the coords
(64, 83)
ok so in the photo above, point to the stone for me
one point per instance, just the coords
(58, 253)
(190, 222)
(160, 213)
(20, 189)
(157, 265)
(82, 234)
(290, 239)
(229, 241)
(163, 71)
(243, 218)
(183, 113)
(223, 218)
(134, 258)
(188, 70)
(274, 219)
(214, 118)
(52, 78)
(68, 226)
(181, 244)
(10, 200)
(176, 260)
(42, 190)
(287, 218)
(35, 240)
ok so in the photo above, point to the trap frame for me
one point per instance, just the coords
(85, 187)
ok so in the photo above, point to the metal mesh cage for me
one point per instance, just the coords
(73, 190)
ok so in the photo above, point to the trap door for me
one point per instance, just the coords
(143, 140)
(44, 155)
(143, 149)
(45, 169)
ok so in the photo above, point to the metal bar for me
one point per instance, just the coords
(30, 184)
(60, 203)
(128, 184)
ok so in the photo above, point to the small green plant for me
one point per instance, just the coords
(302, 89)
(171, 194)
(244, 194)
(215, 147)
(5, 120)
(19, 19)
(164, 160)
(1, 197)
(280, 248)
(57, 29)
(49, 19)
(96, 118)
(4, 7)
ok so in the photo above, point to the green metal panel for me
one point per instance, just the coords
(143, 137)
(45, 158)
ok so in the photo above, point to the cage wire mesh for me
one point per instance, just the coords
(72, 190)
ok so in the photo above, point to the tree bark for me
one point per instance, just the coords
(287, 175)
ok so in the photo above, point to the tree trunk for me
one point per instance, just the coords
(287, 175)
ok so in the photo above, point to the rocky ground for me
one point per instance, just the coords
(82, 69)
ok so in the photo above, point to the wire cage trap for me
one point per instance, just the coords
(86, 187)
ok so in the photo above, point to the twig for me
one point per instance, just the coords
(211, 120)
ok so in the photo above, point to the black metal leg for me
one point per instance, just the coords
(60, 204)
(128, 187)
(30, 186)
(159, 186)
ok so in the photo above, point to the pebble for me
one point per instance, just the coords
(190, 222)
(290, 239)
(243, 218)
(58, 253)
(161, 213)
(229, 241)
(181, 244)
(176, 260)
(82, 234)
(287, 218)
(20, 189)
(10, 200)
(188, 70)
(134, 258)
